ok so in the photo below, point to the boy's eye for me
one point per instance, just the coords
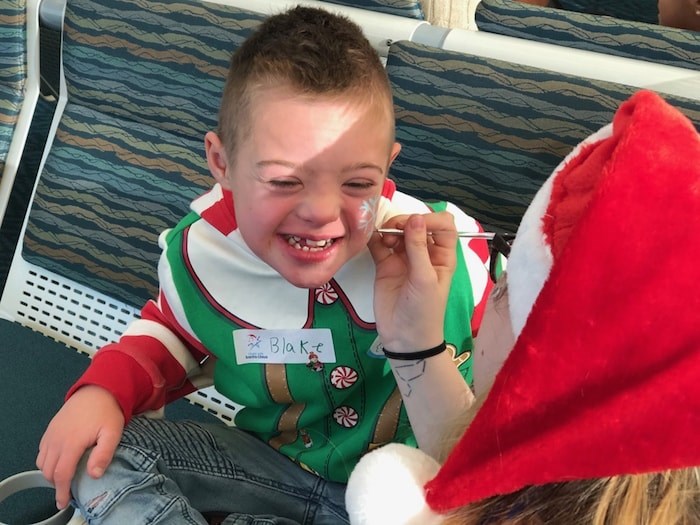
(360, 185)
(283, 184)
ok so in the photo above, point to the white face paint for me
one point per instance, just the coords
(368, 215)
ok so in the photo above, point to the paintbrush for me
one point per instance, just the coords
(472, 235)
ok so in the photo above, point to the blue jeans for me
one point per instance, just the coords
(172, 472)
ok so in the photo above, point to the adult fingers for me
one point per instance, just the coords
(378, 249)
(416, 246)
(443, 248)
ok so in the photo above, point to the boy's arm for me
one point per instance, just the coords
(149, 366)
(413, 278)
(152, 364)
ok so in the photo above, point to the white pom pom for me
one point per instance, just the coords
(386, 488)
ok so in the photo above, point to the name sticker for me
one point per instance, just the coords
(284, 346)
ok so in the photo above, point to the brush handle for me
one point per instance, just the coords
(471, 235)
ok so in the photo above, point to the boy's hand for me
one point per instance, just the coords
(90, 417)
(414, 272)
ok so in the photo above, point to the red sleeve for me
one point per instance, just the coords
(140, 370)
(121, 375)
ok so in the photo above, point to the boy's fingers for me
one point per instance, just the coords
(63, 474)
(101, 455)
(41, 458)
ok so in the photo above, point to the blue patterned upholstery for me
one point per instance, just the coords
(144, 79)
(408, 8)
(13, 69)
(485, 133)
(664, 45)
(636, 10)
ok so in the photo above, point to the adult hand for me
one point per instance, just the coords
(413, 277)
(90, 417)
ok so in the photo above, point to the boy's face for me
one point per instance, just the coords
(306, 180)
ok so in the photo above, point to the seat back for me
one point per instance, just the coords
(486, 133)
(143, 83)
(13, 69)
(381, 26)
(407, 8)
(19, 85)
(636, 10)
(651, 42)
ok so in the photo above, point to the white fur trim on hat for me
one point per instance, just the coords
(530, 259)
(386, 487)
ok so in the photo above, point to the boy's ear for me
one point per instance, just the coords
(395, 150)
(216, 159)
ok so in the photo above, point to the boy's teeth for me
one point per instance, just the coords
(308, 244)
(316, 243)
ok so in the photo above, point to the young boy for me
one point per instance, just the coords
(277, 289)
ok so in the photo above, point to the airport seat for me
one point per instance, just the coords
(635, 10)
(650, 42)
(407, 8)
(13, 69)
(19, 87)
(486, 133)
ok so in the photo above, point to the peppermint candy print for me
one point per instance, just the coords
(346, 416)
(343, 377)
(326, 294)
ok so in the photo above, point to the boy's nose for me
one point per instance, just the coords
(319, 209)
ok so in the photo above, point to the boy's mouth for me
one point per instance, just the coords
(308, 245)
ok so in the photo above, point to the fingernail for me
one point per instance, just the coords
(59, 506)
(98, 471)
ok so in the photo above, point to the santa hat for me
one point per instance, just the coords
(604, 377)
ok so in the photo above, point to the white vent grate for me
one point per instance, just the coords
(71, 313)
(81, 318)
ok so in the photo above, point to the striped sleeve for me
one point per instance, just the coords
(152, 364)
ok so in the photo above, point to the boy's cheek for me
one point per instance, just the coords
(367, 215)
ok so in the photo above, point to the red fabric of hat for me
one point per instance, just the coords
(604, 378)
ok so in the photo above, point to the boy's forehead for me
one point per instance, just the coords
(267, 109)
(271, 102)
(293, 128)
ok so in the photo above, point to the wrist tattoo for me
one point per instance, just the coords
(407, 373)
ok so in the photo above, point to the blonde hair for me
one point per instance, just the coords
(665, 498)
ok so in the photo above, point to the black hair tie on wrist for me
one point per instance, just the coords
(423, 354)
